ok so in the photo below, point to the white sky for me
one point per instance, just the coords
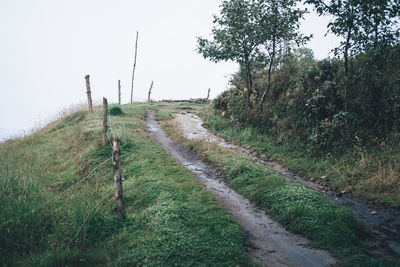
(48, 46)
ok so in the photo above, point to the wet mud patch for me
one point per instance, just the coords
(383, 223)
(269, 243)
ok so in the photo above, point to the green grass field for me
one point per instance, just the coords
(58, 207)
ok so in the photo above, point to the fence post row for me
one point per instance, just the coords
(118, 178)
(89, 93)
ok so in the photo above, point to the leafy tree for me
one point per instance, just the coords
(380, 23)
(234, 38)
(361, 22)
(251, 32)
(346, 15)
(278, 24)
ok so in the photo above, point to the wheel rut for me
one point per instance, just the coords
(269, 244)
(384, 224)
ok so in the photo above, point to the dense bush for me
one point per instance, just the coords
(116, 110)
(318, 103)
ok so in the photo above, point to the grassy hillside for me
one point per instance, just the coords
(58, 208)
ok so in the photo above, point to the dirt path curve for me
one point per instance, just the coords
(383, 223)
(269, 243)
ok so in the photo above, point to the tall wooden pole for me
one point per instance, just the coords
(148, 95)
(134, 65)
(119, 92)
(105, 122)
(89, 93)
(118, 178)
(208, 94)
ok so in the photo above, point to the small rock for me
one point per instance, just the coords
(323, 177)
(373, 212)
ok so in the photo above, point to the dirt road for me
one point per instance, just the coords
(383, 223)
(269, 243)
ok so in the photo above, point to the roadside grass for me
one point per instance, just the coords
(369, 173)
(299, 209)
(58, 207)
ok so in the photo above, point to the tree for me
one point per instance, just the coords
(363, 24)
(278, 24)
(251, 32)
(234, 38)
(346, 14)
(379, 23)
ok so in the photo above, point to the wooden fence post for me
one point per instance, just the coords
(134, 65)
(105, 122)
(89, 93)
(117, 178)
(119, 92)
(148, 96)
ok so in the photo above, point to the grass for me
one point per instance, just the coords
(369, 173)
(299, 209)
(58, 208)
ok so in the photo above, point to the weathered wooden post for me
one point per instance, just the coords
(119, 92)
(134, 65)
(118, 178)
(208, 94)
(148, 96)
(105, 122)
(89, 93)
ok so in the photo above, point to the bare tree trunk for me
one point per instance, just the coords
(119, 92)
(105, 122)
(118, 178)
(148, 96)
(208, 94)
(249, 81)
(89, 93)
(271, 63)
(346, 50)
(134, 65)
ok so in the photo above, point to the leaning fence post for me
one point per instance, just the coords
(117, 178)
(119, 92)
(89, 93)
(105, 122)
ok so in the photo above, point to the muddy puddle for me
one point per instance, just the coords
(383, 223)
(269, 243)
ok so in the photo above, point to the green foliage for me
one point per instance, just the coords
(316, 103)
(251, 32)
(363, 25)
(116, 110)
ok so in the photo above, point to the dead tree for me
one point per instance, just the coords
(208, 94)
(116, 156)
(89, 93)
(134, 65)
(148, 95)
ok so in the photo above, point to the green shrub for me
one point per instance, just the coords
(116, 111)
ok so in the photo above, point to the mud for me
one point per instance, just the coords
(269, 243)
(383, 223)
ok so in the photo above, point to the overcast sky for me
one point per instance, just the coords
(48, 46)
